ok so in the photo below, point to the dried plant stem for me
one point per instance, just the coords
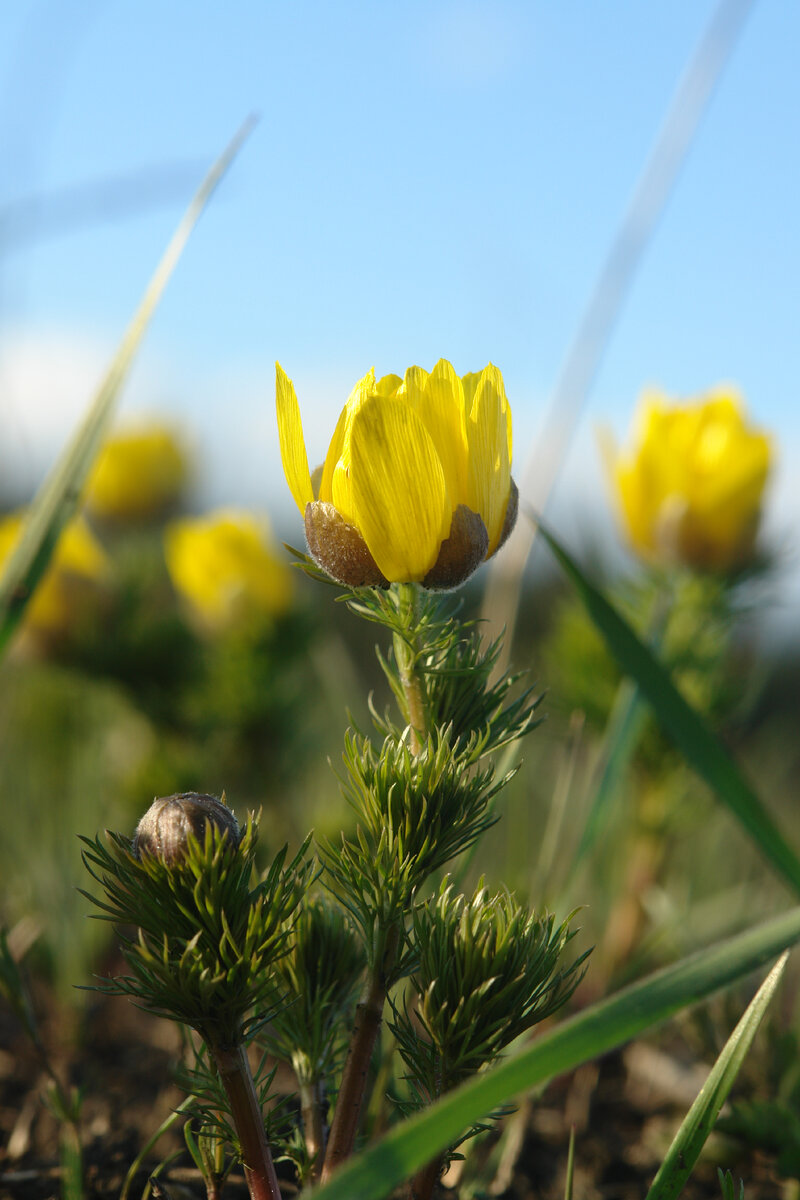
(350, 1101)
(237, 1079)
(311, 1104)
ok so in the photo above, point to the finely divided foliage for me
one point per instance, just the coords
(207, 933)
(488, 969)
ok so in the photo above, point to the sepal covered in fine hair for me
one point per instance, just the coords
(339, 549)
(165, 828)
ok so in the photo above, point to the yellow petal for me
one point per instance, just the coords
(400, 500)
(290, 434)
(472, 382)
(441, 408)
(338, 457)
(387, 385)
(489, 481)
(413, 385)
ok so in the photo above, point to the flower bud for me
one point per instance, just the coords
(165, 828)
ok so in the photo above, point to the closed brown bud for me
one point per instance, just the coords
(165, 828)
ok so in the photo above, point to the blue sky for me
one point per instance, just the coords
(426, 179)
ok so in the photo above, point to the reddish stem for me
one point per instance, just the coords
(237, 1079)
(423, 1183)
(369, 1015)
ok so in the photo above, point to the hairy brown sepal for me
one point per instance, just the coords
(339, 548)
(461, 553)
(510, 520)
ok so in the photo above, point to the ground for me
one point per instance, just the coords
(623, 1109)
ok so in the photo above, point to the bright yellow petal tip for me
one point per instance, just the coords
(292, 443)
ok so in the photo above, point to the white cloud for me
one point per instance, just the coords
(47, 379)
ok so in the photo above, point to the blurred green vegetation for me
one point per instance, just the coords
(137, 698)
(139, 701)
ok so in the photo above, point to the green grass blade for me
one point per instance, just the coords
(601, 1028)
(58, 497)
(689, 731)
(699, 1121)
(623, 732)
(570, 1166)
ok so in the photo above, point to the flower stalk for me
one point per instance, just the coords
(355, 1077)
(236, 1077)
(407, 653)
(312, 1099)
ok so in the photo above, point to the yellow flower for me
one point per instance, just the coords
(78, 560)
(416, 485)
(690, 489)
(137, 475)
(225, 566)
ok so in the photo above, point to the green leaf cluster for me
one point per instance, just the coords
(208, 935)
(425, 793)
(488, 970)
(317, 978)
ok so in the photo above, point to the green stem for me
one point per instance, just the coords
(311, 1102)
(71, 1162)
(626, 723)
(166, 1124)
(369, 1017)
(407, 651)
(234, 1071)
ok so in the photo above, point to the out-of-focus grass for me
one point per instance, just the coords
(69, 745)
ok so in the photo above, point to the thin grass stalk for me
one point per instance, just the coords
(638, 224)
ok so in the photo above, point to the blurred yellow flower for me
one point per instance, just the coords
(224, 565)
(416, 485)
(690, 488)
(78, 560)
(137, 475)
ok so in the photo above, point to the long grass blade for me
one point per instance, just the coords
(689, 731)
(376, 1172)
(699, 1121)
(593, 334)
(59, 495)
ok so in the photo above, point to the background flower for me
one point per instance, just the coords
(226, 567)
(78, 565)
(690, 488)
(138, 474)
